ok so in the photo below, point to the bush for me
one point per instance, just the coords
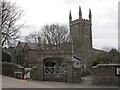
(85, 73)
(99, 61)
(6, 57)
(107, 57)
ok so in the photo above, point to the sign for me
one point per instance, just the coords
(19, 72)
(28, 75)
(118, 70)
(18, 75)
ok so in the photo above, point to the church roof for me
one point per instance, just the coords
(19, 46)
(33, 46)
(22, 44)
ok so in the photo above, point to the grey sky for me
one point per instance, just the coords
(74, 1)
(104, 17)
(119, 26)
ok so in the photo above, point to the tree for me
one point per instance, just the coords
(9, 15)
(33, 37)
(55, 34)
(107, 49)
(110, 56)
(115, 54)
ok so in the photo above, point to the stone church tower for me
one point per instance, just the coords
(81, 31)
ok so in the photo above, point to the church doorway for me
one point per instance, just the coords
(55, 69)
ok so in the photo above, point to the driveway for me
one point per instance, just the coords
(8, 82)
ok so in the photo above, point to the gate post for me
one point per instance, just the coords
(39, 71)
(69, 72)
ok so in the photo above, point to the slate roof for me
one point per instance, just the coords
(22, 44)
(77, 58)
(33, 46)
(19, 43)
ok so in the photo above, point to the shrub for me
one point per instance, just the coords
(85, 73)
(6, 57)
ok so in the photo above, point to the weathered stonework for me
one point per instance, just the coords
(81, 32)
(41, 55)
(105, 74)
(39, 71)
(9, 69)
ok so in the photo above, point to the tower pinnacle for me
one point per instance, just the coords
(70, 17)
(80, 12)
(90, 15)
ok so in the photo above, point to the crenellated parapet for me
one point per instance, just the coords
(80, 19)
(81, 30)
(63, 46)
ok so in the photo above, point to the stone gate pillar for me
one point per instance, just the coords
(69, 72)
(38, 72)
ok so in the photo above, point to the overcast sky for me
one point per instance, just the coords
(104, 17)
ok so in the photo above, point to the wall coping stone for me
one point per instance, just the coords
(105, 65)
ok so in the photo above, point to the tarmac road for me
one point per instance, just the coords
(8, 82)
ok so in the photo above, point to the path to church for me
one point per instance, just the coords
(8, 82)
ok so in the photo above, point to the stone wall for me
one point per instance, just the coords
(76, 75)
(9, 69)
(105, 74)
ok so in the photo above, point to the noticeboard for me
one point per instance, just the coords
(18, 75)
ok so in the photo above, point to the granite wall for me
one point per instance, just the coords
(105, 74)
(9, 69)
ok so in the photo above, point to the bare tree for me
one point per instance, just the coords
(111, 55)
(9, 15)
(107, 48)
(55, 34)
(33, 37)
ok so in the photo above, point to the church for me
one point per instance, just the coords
(64, 63)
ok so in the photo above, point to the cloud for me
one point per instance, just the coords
(104, 16)
(105, 24)
(119, 25)
(29, 29)
(73, 1)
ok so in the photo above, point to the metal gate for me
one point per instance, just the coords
(55, 73)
